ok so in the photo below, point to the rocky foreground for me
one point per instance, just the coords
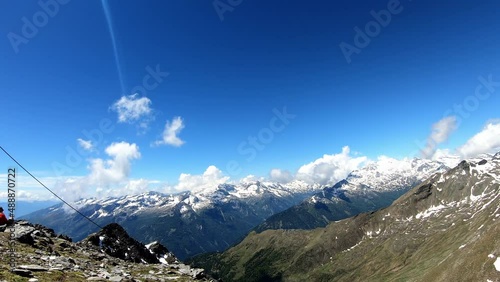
(109, 255)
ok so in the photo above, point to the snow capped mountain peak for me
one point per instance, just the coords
(484, 164)
(387, 174)
(256, 189)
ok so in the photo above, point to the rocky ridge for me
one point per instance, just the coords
(108, 255)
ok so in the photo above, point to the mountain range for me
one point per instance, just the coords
(444, 229)
(188, 223)
(191, 223)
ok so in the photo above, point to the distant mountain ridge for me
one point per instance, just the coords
(372, 187)
(187, 223)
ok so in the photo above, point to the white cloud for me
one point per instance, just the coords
(112, 171)
(441, 130)
(85, 144)
(106, 177)
(29, 189)
(209, 180)
(172, 129)
(131, 187)
(327, 170)
(131, 109)
(330, 169)
(251, 178)
(281, 176)
(486, 141)
(73, 188)
(446, 156)
(28, 196)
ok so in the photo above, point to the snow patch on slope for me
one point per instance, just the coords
(430, 211)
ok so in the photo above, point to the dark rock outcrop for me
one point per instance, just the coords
(115, 241)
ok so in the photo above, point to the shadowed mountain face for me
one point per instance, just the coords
(445, 229)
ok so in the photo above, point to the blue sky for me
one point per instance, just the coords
(229, 74)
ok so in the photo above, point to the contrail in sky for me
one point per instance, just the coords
(107, 14)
